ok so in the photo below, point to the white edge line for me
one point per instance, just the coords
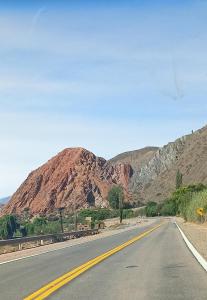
(197, 255)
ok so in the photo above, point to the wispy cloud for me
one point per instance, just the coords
(37, 15)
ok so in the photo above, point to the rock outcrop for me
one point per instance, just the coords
(154, 179)
(73, 179)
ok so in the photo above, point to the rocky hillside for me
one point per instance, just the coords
(156, 180)
(75, 178)
(137, 159)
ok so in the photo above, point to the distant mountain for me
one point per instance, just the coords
(4, 200)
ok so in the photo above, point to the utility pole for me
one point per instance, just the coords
(61, 209)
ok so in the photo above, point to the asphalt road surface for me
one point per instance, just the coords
(158, 266)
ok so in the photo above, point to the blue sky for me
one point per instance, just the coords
(109, 76)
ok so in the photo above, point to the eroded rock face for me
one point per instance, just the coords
(73, 179)
(154, 169)
(156, 180)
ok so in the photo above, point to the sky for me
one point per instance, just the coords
(109, 76)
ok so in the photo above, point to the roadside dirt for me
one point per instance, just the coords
(197, 235)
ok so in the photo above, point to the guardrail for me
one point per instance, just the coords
(46, 239)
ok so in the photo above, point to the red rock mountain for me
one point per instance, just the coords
(75, 178)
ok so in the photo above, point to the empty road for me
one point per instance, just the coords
(157, 266)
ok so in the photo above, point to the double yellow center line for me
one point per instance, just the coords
(56, 284)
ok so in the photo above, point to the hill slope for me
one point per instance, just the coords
(137, 158)
(156, 180)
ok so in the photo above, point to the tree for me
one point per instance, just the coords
(26, 213)
(116, 199)
(8, 226)
(151, 209)
(168, 208)
(179, 179)
(39, 224)
(23, 230)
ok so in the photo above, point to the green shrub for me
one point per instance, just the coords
(151, 209)
(199, 200)
(8, 226)
(168, 208)
(178, 203)
(97, 214)
(103, 213)
(30, 228)
(52, 227)
(128, 213)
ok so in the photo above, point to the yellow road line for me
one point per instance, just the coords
(56, 284)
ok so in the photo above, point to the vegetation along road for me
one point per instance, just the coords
(152, 262)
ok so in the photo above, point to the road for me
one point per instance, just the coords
(158, 266)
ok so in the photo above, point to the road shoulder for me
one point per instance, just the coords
(195, 237)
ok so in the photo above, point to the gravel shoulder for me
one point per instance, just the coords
(114, 229)
(197, 235)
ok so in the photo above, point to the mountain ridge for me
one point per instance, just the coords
(77, 178)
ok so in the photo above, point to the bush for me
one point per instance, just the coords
(151, 209)
(128, 213)
(8, 226)
(52, 227)
(96, 214)
(168, 208)
(199, 200)
(178, 203)
(103, 213)
(30, 228)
